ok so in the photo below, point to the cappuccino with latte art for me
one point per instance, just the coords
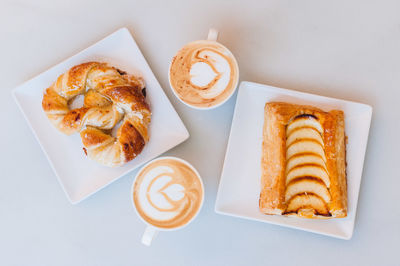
(168, 193)
(203, 74)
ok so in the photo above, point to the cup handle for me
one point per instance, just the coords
(148, 235)
(212, 34)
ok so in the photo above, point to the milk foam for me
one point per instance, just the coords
(150, 194)
(167, 193)
(202, 74)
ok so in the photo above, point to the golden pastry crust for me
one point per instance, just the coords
(110, 96)
(278, 116)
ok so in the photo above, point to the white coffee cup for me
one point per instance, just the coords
(151, 230)
(212, 37)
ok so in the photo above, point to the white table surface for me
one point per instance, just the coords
(343, 49)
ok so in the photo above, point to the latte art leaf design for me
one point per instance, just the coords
(174, 203)
(167, 193)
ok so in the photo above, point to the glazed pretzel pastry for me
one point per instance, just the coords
(110, 96)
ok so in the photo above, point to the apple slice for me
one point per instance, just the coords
(305, 158)
(305, 146)
(307, 185)
(304, 122)
(310, 213)
(308, 170)
(307, 201)
(304, 133)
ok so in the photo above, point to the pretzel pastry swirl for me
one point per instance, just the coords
(110, 96)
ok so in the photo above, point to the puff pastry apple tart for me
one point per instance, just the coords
(303, 162)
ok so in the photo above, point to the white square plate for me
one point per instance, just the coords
(78, 175)
(239, 186)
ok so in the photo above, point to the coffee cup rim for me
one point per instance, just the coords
(213, 106)
(155, 160)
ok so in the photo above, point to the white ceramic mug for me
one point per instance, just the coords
(213, 37)
(151, 231)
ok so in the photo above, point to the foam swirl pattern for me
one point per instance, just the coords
(203, 73)
(167, 193)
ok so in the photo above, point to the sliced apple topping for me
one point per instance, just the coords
(307, 178)
(304, 158)
(307, 201)
(305, 146)
(307, 185)
(304, 133)
(308, 170)
(303, 122)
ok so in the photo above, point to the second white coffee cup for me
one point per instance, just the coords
(152, 230)
(204, 74)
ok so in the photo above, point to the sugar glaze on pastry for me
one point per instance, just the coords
(303, 162)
